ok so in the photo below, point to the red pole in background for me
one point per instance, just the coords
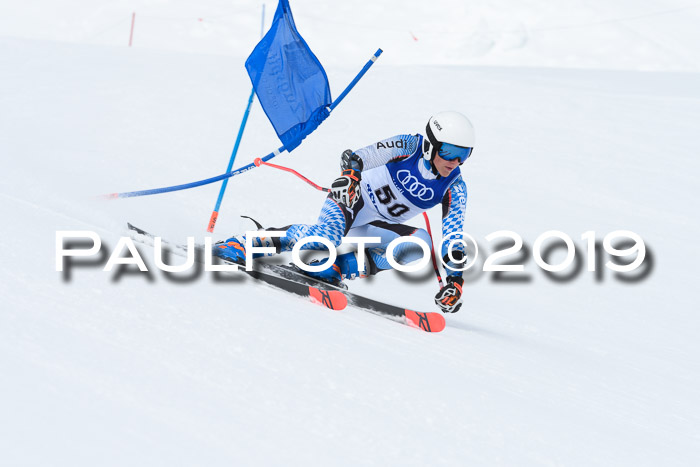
(131, 36)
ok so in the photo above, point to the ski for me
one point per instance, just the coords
(332, 299)
(428, 321)
(291, 279)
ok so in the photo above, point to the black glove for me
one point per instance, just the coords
(350, 160)
(346, 188)
(448, 297)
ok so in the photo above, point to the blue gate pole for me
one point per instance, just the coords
(224, 184)
(245, 168)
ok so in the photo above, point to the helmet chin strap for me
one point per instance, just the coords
(429, 152)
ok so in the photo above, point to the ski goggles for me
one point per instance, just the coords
(450, 152)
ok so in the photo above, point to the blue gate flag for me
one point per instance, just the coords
(290, 82)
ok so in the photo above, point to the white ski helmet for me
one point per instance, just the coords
(448, 129)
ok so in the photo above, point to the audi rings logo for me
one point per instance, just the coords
(413, 186)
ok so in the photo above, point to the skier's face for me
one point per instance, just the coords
(443, 166)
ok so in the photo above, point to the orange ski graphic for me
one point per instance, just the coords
(429, 322)
(333, 299)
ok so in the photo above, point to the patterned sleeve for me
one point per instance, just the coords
(387, 150)
(454, 205)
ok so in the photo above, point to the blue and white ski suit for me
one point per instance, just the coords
(397, 185)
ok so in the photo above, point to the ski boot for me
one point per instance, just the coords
(344, 267)
(233, 249)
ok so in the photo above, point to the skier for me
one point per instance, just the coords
(382, 186)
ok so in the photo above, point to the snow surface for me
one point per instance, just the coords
(587, 118)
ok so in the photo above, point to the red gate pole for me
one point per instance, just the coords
(131, 36)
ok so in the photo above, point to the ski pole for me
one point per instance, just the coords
(432, 249)
(258, 162)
